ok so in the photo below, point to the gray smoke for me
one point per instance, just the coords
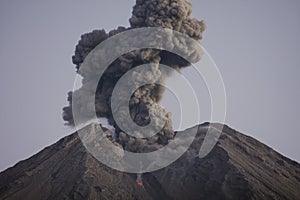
(171, 14)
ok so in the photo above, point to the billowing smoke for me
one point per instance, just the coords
(171, 14)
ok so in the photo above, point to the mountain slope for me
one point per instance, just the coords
(239, 167)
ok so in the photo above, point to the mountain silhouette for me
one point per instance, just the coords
(238, 167)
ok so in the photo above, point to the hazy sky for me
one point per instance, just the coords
(255, 44)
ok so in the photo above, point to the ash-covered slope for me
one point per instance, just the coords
(239, 167)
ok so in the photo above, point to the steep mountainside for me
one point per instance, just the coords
(239, 167)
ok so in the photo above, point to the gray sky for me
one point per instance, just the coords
(255, 44)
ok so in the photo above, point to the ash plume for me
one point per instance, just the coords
(171, 14)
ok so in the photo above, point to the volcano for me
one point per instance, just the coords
(238, 167)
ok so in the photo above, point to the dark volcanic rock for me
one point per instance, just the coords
(239, 167)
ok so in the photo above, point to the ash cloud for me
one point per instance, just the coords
(171, 14)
